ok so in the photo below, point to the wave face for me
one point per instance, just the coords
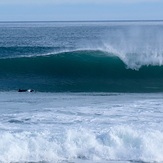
(78, 71)
(82, 56)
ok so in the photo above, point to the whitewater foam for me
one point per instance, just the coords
(92, 127)
(119, 143)
(136, 45)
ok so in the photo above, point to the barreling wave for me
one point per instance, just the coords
(79, 71)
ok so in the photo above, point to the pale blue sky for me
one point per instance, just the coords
(73, 10)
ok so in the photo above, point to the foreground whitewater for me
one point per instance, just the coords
(80, 127)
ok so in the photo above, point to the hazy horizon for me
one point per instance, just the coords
(66, 10)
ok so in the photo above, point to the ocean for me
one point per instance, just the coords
(98, 92)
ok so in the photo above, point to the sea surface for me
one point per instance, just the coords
(98, 92)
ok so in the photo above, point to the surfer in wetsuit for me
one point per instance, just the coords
(25, 90)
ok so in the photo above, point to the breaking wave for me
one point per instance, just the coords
(83, 71)
(118, 143)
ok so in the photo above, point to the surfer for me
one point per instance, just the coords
(25, 90)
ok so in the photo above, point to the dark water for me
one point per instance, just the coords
(82, 56)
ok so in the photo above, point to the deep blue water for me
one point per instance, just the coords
(81, 56)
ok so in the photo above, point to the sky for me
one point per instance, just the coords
(80, 10)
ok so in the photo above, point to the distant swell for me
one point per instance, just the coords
(78, 71)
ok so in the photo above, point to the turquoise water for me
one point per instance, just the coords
(79, 71)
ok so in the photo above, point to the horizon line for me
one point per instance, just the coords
(152, 20)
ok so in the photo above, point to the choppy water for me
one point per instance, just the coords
(81, 127)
